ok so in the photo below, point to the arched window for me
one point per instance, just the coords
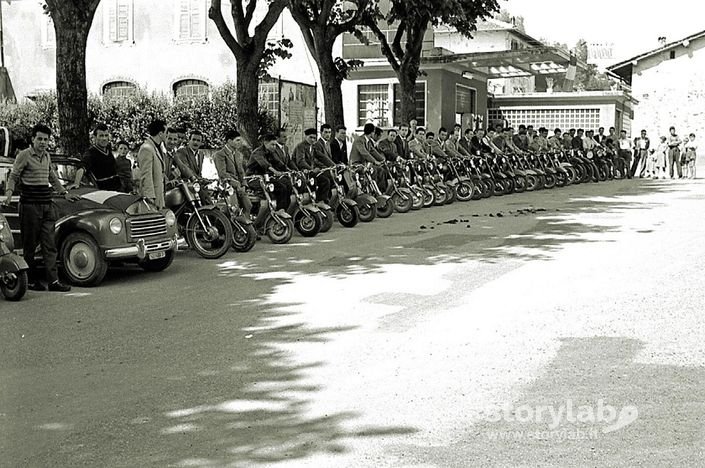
(190, 88)
(119, 89)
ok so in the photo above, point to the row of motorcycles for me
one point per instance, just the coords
(212, 220)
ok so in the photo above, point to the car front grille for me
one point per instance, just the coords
(146, 227)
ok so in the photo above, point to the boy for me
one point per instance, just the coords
(124, 167)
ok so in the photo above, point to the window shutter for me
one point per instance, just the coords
(184, 19)
(123, 21)
(111, 19)
(196, 19)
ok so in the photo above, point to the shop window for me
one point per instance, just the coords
(269, 97)
(119, 89)
(190, 89)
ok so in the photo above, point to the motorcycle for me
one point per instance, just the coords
(306, 215)
(207, 230)
(463, 186)
(402, 197)
(346, 209)
(385, 206)
(326, 214)
(276, 223)
(244, 233)
(13, 268)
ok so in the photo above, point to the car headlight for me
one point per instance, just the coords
(116, 226)
(170, 218)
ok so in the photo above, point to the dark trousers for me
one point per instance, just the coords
(626, 155)
(674, 159)
(37, 225)
(324, 184)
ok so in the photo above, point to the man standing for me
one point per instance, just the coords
(124, 167)
(674, 153)
(34, 173)
(641, 154)
(339, 146)
(171, 144)
(625, 152)
(151, 163)
(230, 166)
(100, 162)
(188, 159)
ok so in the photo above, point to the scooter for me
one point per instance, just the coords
(402, 197)
(275, 223)
(13, 268)
(306, 215)
(244, 233)
(385, 206)
(346, 209)
(326, 211)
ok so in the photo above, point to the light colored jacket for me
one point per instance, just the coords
(151, 164)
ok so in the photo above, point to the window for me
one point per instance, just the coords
(373, 105)
(465, 99)
(191, 21)
(548, 117)
(190, 89)
(420, 104)
(119, 89)
(48, 34)
(269, 97)
(117, 21)
(672, 54)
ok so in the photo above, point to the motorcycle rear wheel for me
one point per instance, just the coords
(327, 218)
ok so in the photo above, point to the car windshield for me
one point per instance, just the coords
(66, 170)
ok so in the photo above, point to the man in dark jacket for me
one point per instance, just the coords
(402, 141)
(388, 146)
(339, 146)
(322, 158)
(264, 160)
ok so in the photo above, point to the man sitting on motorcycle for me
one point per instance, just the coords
(189, 162)
(539, 144)
(229, 162)
(417, 146)
(433, 147)
(264, 160)
(306, 160)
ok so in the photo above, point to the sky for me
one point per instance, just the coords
(633, 26)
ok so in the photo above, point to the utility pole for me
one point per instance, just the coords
(2, 45)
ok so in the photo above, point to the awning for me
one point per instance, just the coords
(7, 94)
(531, 61)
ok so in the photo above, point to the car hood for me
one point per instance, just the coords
(93, 199)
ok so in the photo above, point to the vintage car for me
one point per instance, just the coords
(101, 228)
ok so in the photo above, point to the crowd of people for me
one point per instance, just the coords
(169, 154)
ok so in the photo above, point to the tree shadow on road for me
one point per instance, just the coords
(657, 418)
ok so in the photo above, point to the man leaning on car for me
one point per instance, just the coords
(33, 171)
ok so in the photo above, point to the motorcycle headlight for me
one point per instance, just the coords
(270, 187)
(231, 191)
(2, 223)
(170, 218)
(311, 181)
(274, 204)
(116, 226)
(298, 182)
(196, 187)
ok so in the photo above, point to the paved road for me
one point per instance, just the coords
(560, 328)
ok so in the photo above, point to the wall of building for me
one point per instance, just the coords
(671, 92)
(153, 57)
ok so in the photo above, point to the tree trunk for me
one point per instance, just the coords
(331, 85)
(407, 87)
(248, 100)
(72, 95)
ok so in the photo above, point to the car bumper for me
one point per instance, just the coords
(141, 249)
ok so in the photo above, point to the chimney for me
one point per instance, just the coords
(662, 41)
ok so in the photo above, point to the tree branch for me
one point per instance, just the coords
(276, 7)
(250, 11)
(241, 27)
(215, 13)
(396, 44)
(384, 45)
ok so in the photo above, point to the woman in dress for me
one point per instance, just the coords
(661, 158)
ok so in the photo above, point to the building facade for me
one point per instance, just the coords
(167, 46)
(669, 84)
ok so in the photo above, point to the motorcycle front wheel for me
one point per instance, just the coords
(213, 238)
(402, 205)
(308, 224)
(386, 210)
(244, 238)
(464, 191)
(367, 212)
(326, 220)
(15, 288)
(279, 232)
(348, 216)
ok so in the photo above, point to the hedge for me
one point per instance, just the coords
(127, 117)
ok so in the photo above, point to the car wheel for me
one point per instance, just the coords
(82, 261)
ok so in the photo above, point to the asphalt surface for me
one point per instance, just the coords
(444, 337)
